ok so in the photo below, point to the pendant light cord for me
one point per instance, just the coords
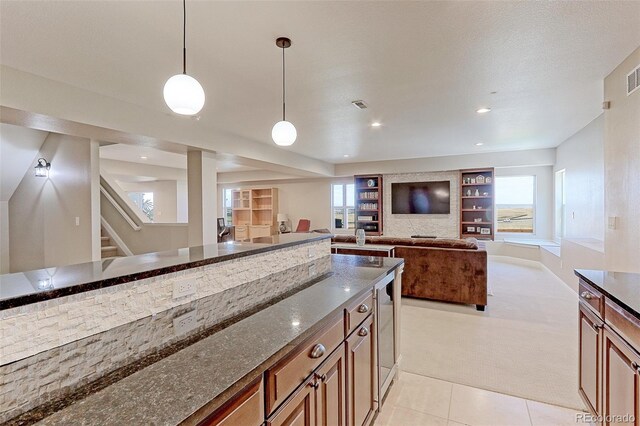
(283, 87)
(184, 36)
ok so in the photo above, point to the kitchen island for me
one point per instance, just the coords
(190, 363)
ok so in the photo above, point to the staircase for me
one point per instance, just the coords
(109, 249)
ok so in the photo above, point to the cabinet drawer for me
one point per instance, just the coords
(295, 368)
(356, 313)
(256, 231)
(624, 323)
(241, 232)
(592, 297)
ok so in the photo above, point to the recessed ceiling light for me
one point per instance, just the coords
(346, 156)
(483, 110)
(143, 157)
(295, 323)
(376, 124)
(479, 143)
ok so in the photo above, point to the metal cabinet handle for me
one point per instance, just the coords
(635, 366)
(317, 351)
(322, 377)
(363, 331)
(363, 309)
(587, 295)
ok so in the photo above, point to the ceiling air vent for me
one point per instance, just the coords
(633, 80)
(359, 104)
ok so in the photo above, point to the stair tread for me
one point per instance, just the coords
(107, 248)
(104, 238)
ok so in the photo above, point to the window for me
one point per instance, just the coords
(227, 207)
(144, 201)
(515, 205)
(343, 208)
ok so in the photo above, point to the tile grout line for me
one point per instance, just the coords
(450, 401)
(526, 403)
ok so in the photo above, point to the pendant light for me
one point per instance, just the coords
(182, 93)
(283, 133)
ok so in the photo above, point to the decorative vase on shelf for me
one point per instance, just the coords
(360, 237)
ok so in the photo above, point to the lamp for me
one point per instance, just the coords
(283, 133)
(182, 93)
(42, 168)
(282, 220)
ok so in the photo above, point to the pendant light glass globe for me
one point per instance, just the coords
(183, 94)
(284, 133)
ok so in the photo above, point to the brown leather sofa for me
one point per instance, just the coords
(449, 270)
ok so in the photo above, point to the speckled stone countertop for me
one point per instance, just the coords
(23, 288)
(182, 388)
(623, 288)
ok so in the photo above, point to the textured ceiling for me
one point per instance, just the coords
(423, 67)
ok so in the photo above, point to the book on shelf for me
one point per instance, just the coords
(366, 218)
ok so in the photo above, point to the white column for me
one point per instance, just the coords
(202, 195)
(96, 250)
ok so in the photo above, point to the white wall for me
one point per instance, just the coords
(4, 237)
(622, 169)
(582, 158)
(543, 220)
(43, 211)
(165, 198)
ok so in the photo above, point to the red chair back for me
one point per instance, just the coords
(303, 225)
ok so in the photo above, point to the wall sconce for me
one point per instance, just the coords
(42, 168)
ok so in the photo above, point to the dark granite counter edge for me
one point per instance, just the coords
(607, 293)
(96, 285)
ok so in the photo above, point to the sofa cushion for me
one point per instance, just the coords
(464, 244)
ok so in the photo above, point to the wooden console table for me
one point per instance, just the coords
(365, 250)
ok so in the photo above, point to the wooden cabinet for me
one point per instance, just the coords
(609, 381)
(477, 204)
(369, 203)
(287, 374)
(254, 212)
(300, 410)
(246, 408)
(256, 231)
(621, 396)
(361, 370)
(241, 232)
(331, 397)
(590, 337)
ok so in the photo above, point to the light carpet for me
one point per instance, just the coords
(525, 343)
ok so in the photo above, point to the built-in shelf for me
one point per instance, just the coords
(477, 207)
(369, 196)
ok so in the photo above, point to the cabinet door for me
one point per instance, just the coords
(621, 382)
(331, 399)
(300, 409)
(246, 408)
(360, 371)
(590, 349)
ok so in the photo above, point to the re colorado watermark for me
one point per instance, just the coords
(608, 419)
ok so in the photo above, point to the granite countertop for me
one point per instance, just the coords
(23, 288)
(621, 287)
(185, 386)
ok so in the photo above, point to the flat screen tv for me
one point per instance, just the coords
(421, 197)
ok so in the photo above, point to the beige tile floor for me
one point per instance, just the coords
(416, 400)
